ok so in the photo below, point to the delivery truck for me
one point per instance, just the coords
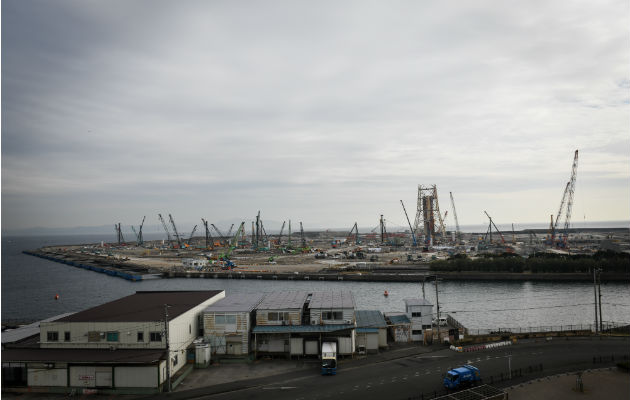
(329, 358)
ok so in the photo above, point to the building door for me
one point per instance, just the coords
(104, 379)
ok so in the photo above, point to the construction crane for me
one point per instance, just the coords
(232, 244)
(168, 234)
(279, 242)
(230, 230)
(119, 233)
(222, 237)
(135, 233)
(495, 227)
(140, 238)
(442, 226)
(567, 197)
(191, 234)
(458, 233)
(413, 235)
(208, 236)
(302, 237)
(355, 229)
(179, 240)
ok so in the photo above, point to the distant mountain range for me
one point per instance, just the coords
(273, 227)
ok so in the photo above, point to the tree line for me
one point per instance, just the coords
(608, 261)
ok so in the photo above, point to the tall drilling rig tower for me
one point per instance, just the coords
(428, 218)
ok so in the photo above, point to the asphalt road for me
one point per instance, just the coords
(410, 376)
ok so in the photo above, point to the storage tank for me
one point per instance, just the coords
(202, 355)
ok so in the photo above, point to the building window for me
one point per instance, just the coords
(112, 336)
(416, 314)
(175, 360)
(156, 336)
(223, 319)
(416, 332)
(426, 326)
(276, 316)
(189, 328)
(332, 315)
(140, 336)
(52, 336)
(66, 336)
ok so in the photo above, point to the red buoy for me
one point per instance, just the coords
(56, 297)
(386, 294)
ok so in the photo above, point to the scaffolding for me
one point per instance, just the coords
(428, 218)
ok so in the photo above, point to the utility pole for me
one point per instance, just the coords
(168, 350)
(599, 290)
(437, 300)
(595, 291)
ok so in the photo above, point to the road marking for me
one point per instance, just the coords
(417, 373)
(427, 372)
(430, 356)
(279, 387)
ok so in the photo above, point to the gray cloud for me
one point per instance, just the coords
(325, 111)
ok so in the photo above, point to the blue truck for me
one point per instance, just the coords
(458, 378)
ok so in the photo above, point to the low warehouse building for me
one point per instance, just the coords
(294, 323)
(119, 347)
(228, 324)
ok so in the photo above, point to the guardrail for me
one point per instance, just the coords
(608, 327)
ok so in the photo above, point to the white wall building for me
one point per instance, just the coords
(116, 347)
(420, 313)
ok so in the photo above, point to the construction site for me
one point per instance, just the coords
(376, 254)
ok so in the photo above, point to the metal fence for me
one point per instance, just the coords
(608, 327)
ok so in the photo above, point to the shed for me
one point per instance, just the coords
(371, 330)
(399, 327)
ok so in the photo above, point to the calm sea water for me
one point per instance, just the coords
(29, 286)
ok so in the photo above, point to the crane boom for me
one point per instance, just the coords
(230, 230)
(280, 235)
(457, 231)
(495, 227)
(179, 240)
(208, 236)
(218, 231)
(413, 235)
(191, 234)
(302, 236)
(140, 237)
(168, 234)
(567, 219)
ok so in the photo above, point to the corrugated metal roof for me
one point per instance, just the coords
(143, 307)
(245, 302)
(282, 300)
(417, 302)
(300, 328)
(398, 319)
(370, 319)
(367, 330)
(13, 335)
(332, 299)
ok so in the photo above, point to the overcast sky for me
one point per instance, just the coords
(322, 112)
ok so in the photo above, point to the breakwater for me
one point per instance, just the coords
(396, 276)
(112, 269)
